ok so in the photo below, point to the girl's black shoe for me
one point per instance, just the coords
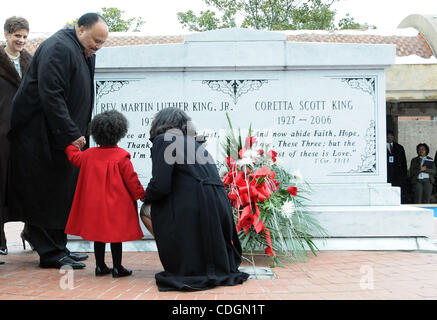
(120, 272)
(102, 271)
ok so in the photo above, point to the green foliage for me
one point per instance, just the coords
(349, 22)
(71, 24)
(116, 23)
(206, 21)
(268, 15)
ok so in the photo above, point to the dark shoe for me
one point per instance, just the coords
(64, 261)
(3, 246)
(2, 262)
(77, 256)
(120, 272)
(102, 271)
(24, 237)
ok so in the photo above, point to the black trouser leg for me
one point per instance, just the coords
(116, 251)
(99, 253)
(51, 244)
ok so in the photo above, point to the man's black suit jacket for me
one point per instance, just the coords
(397, 170)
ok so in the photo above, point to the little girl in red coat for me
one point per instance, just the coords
(105, 201)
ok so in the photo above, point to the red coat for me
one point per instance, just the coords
(105, 201)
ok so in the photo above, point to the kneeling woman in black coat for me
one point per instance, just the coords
(191, 214)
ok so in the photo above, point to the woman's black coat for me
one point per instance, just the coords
(9, 82)
(192, 218)
(51, 109)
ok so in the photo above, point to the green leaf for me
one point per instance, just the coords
(267, 15)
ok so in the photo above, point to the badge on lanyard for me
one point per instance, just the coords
(391, 159)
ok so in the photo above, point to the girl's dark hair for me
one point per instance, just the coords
(13, 24)
(169, 118)
(422, 145)
(107, 128)
(89, 19)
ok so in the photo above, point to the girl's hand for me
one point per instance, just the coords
(79, 143)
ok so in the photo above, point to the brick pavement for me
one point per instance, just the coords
(332, 275)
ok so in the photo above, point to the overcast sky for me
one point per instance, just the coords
(160, 15)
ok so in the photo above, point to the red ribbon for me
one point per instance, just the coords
(269, 250)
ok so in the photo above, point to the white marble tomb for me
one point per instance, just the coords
(321, 106)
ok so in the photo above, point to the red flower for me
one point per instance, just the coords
(269, 251)
(292, 191)
(241, 153)
(272, 154)
(231, 162)
(250, 141)
(261, 152)
(246, 219)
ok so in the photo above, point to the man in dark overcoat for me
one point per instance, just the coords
(396, 164)
(51, 110)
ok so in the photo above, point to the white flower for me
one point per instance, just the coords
(297, 176)
(246, 161)
(288, 208)
(223, 171)
(251, 154)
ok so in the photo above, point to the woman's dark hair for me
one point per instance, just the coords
(13, 24)
(108, 128)
(422, 145)
(169, 118)
(89, 19)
